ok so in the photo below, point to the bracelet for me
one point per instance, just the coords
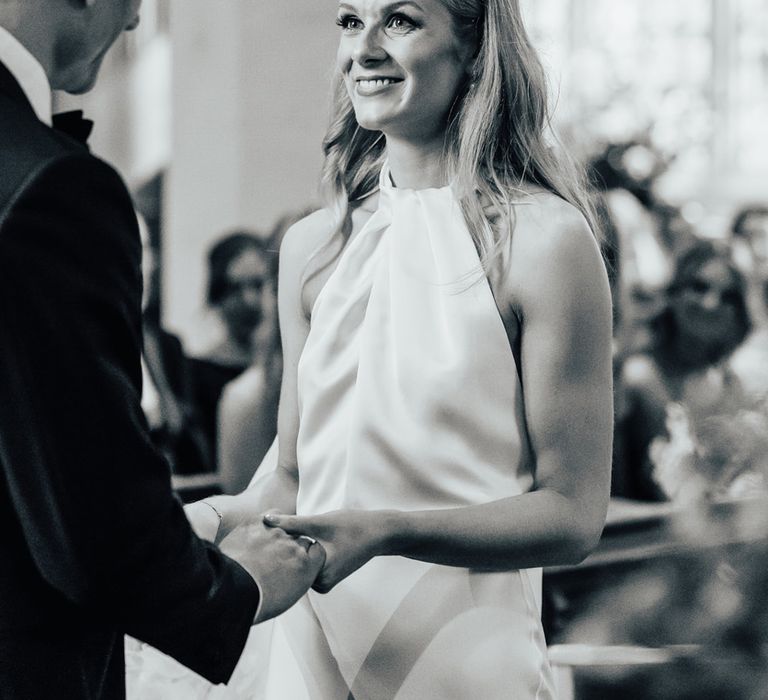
(218, 515)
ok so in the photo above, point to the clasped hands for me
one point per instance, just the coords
(288, 554)
(349, 539)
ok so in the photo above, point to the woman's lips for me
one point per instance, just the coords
(366, 87)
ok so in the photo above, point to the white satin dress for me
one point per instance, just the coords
(409, 399)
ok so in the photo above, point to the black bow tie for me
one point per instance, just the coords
(72, 124)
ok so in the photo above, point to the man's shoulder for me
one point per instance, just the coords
(29, 148)
(21, 133)
(48, 182)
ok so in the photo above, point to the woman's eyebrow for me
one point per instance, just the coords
(387, 8)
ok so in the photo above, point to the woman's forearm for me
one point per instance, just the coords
(540, 528)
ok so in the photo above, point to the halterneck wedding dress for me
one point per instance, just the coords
(409, 399)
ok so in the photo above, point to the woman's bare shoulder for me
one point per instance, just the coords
(306, 236)
(318, 230)
(545, 219)
(312, 246)
(552, 248)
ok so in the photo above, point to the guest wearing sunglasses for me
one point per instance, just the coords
(683, 376)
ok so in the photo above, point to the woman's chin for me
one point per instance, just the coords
(372, 120)
(371, 124)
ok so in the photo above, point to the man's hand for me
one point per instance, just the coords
(284, 567)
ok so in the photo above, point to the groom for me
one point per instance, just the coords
(93, 544)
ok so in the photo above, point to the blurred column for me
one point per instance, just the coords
(723, 35)
(250, 101)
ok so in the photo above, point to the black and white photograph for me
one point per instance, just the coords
(383, 350)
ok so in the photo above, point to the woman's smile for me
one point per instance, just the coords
(367, 87)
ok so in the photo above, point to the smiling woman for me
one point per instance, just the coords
(419, 443)
(402, 66)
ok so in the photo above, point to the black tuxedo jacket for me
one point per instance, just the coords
(92, 541)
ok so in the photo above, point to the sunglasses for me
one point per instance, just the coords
(727, 295)
(255, 284)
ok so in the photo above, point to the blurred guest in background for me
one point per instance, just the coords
(239, 269)
(247, 411)
(642, 232)
(683, 378)
(749, 237)
(750, 225)
(167, 397)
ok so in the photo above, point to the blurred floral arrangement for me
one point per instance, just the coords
(709, 612)
(706, 603)
(713, 456)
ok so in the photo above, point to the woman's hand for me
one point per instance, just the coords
(350, 539)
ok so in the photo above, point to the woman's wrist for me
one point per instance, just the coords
(391, 530)
(226, 509)
(203, 519)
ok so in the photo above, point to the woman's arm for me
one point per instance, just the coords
(558, 287)
(278, 491)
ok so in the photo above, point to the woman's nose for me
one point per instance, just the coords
(250, 296)
(367, 48)
(711, 300)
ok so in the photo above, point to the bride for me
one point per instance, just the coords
(446, 409)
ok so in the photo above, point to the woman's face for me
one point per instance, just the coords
(402, 64)
(706, 306)
(241, 305)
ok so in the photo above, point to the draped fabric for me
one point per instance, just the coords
(409, 398)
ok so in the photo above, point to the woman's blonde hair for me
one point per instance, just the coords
(496, 136)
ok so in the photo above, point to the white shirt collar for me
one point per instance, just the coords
(29, 74)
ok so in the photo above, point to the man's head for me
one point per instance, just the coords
(94, 25)
(69, 37)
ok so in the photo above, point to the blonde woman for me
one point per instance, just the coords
(446, 411)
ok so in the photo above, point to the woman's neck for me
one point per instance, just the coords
(416, 166)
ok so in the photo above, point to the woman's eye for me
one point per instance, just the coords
(349, 22)
(401, 23)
